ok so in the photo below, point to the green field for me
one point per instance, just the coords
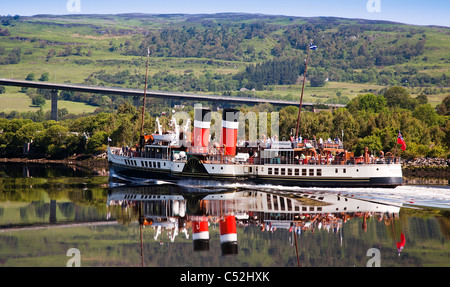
(14, 100)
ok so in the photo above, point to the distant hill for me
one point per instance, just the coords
(223, 53)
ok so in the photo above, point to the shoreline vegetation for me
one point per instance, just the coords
(91, 162)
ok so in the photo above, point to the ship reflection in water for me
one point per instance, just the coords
(183, 213)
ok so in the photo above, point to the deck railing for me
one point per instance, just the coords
(217, 156)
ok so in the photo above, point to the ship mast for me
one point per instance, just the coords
(310, 47)
(145, 93)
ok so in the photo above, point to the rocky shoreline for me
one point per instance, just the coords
(427, 168)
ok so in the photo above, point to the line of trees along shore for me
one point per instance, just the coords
(369, 120)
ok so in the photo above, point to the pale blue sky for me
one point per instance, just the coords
(419, 12)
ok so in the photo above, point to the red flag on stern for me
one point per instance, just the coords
(401, 141)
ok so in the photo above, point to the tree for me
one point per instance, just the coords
(422, 99)
(44, 77)
(368, 102)
(52, 141)
(372, 142)
(426, 114)
(30, 77)
(399, 97)
(12, 58)
(38, 101)
(27, 133)
(317, 81)
(343, 120)
(442, 109)
(126, 108)
(96, 142)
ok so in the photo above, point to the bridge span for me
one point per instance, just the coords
(55, 87)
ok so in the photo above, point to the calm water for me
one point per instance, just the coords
(59, 216)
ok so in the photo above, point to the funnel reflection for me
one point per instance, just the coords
(192, 212)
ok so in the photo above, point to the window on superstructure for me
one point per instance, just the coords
(304, 171)
(269, 170)
(311, 172)
(269, 201)
(289, 204)
(283, 171)
(275, 203)
(289, 171)
(276, 171)
(282, 204)
(319, 172)
(297, 171)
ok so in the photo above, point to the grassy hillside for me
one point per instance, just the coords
(20, 102)
(210, 53)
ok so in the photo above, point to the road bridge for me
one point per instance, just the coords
(215, 99)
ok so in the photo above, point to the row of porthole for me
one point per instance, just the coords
(295, 172)
(134, 196)
(150, 164)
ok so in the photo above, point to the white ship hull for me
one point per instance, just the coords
(303, 175)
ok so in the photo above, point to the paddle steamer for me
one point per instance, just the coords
(305, 164)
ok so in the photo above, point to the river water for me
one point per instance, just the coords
(52, 215)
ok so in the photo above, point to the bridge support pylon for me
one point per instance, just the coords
(54, 111)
